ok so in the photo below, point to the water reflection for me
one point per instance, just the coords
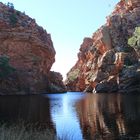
(29, 109)
(109, 116)
(77, 116)
(64, 115)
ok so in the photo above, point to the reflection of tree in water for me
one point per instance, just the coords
(109, 116)
(29, 109)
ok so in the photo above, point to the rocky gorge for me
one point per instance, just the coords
(26, 55)
(109, 60)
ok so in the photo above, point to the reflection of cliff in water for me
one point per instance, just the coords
(29, 109)
(109, 116)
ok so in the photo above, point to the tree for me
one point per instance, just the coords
(5, 68)
(134, 41)
(13, 19)
(10, 5)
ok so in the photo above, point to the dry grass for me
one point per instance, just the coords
(15, 132)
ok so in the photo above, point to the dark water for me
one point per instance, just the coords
(77, 116)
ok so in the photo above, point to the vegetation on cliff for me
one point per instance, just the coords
(73, 75)
(134, 41)
(5, 68)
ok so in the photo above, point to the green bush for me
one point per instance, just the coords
(13, 19)
(13, 14)
(134, 41)
(5, 68)
(73, 75)
(18, 13)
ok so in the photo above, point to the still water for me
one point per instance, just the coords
(77, 116)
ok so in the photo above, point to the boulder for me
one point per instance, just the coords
(129, 79)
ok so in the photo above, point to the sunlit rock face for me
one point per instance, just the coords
(106, 63)
(30, 51)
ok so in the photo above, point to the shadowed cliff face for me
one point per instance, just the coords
(105, 62)
(30, 51)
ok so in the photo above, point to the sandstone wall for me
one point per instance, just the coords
(30, 51)
(105, 62)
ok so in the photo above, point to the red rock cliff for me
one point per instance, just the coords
(105, 62)
(30, 51)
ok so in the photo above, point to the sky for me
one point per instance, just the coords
(68, 22)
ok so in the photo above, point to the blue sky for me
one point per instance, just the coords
(68, 21)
